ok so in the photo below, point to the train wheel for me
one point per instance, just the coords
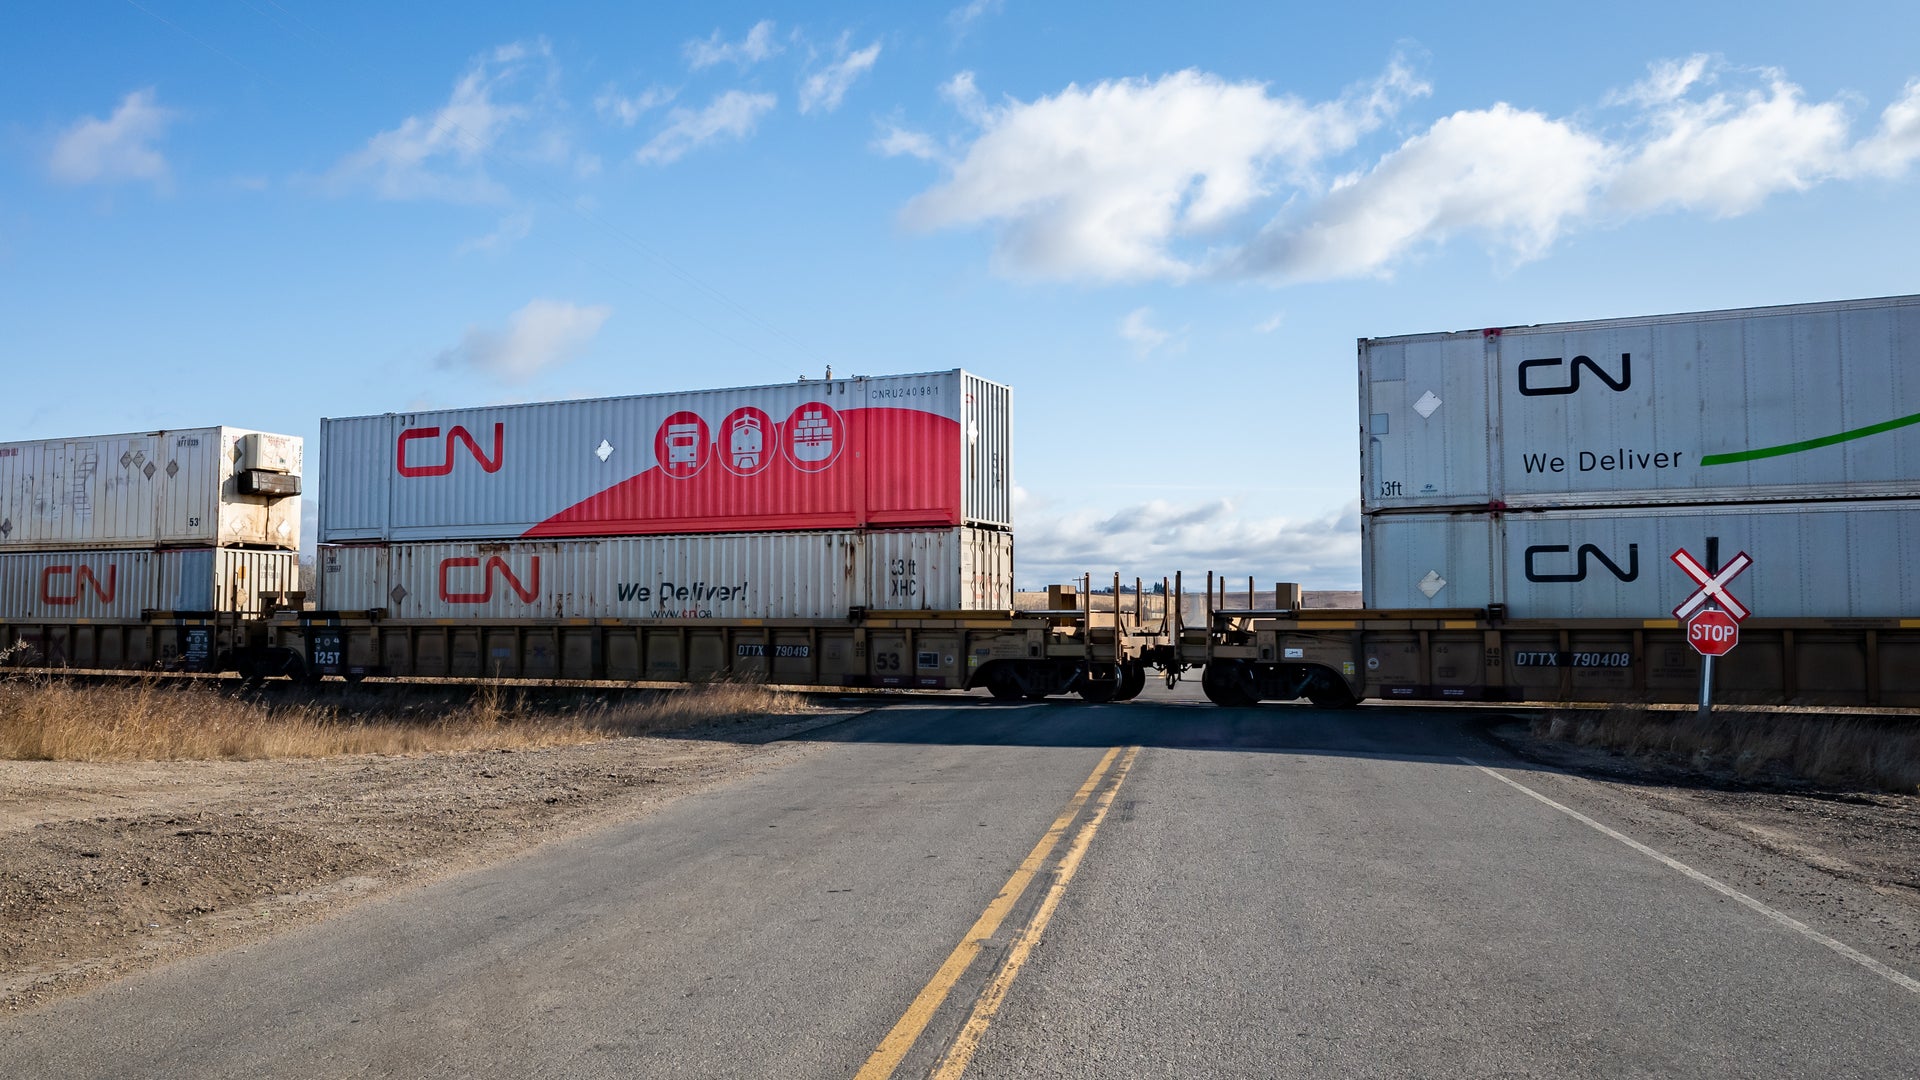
(1133, 679)
(1221, 683)
(1004, 685)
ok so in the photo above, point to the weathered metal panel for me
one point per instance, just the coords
(141, 490)
(91, 584)
(890, 451)
(816, 575)
(1811, 560)
(1816, 401)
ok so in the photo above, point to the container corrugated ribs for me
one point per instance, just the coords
(1810, 560)
(153, 489)
(1808, 402)
(121, 585)
(811, 575)
(900, 451)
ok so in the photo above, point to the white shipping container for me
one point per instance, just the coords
(1812, 560)
(215, 487)
(1815, 401)
(897, 451)
(806, 575)
(60, 586)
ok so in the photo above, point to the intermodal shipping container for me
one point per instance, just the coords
(1815, 401)
(1810, 560)
(810, 575)
(213, 487)
(897, 451)
(122, 585)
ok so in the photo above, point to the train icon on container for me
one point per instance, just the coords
(747, 438)
(681, 446)
(814, 434)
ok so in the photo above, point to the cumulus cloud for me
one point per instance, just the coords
(733, 114)
(1097, 181)
(124, 146)
(1059, 543)
(441, 156)
(539, 336)
(1139, 332)
(825, 88)
(1191, 175)
(758, 45)
(627, 110)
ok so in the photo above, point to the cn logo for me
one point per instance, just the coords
(1529, 388)
(528, 591)
(1535, 573)
(455, 434)
(76, 581)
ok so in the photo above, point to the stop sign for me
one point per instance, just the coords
(1712, 632)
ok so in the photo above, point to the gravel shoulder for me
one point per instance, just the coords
(107, 869)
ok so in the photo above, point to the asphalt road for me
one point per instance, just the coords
(1277, 891)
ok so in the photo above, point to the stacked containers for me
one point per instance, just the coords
(797, 497)
(1555, 469)
(109, 527)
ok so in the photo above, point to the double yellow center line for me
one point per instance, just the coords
(1106, 780)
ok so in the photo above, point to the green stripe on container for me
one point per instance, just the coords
(1810, 444)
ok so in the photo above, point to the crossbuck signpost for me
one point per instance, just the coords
(1712, 615)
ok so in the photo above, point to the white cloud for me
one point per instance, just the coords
(1059, 543)
(1726, 155)
(758, 45)
(1160, 179)
(1894, 146)
(1268, 326)
(628, 110)
(442, 156)
(825, 88)
(121, 147)
(512, 229)
(1097, 182)
(541, 335)
(1141, 334)
(897, 141)
(1513, 177)
(733, 114)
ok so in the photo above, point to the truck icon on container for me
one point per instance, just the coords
(683, 445)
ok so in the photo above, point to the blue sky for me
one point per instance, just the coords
(1164, 226)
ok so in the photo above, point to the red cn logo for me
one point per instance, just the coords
(445, 465)
(78, 579)
(529, 592)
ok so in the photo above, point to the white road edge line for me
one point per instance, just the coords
(1728, 891)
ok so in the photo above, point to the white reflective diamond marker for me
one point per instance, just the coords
(604, 450)
(1427, 403)
(1431, 584)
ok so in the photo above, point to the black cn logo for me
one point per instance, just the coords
(1534, 385)
(1555, 569)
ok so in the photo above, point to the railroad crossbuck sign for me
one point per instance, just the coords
(1713, 587)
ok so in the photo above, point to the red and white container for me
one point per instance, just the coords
(898, 451)
(211, 487)
(68, 586)
(802, 575)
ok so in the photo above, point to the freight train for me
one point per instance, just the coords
(1525, 491)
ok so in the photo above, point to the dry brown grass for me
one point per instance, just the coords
(1836, 751)
(50, 719)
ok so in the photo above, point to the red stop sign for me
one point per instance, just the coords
(1712, 632)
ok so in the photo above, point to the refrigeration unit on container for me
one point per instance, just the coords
(59, 586)
(897, 451)
(1814, 401)
(1810, 560)
(802, 575)
(213, 487)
